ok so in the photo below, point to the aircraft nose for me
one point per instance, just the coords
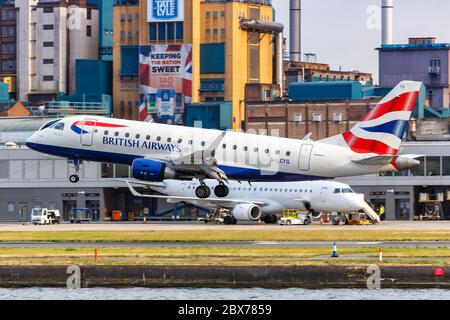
(31, 141)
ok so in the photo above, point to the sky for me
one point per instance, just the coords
(345, 33)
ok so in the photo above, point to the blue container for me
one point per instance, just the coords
(322, 91)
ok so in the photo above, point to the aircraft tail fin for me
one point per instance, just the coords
(381, 130)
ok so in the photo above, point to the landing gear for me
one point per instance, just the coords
(221, 191)
(74, 178)
(203, 191)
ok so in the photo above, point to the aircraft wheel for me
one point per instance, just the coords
(203, 192)
(288, 222)
(234, 221)
(221, 191)
(227, 220)
(74, 178)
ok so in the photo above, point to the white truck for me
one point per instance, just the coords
(45, 216)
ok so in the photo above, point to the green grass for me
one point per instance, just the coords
(226, 235)
(222, 256)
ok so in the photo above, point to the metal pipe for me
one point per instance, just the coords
(295, 30)
(387, 22)
(280, 70)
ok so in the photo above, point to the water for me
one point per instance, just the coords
(222, 294)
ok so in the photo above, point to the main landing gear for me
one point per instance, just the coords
(74, 178)
(203, 191)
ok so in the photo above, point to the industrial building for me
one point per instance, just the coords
(229, 44)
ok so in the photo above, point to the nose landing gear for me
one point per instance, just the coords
(74, 178)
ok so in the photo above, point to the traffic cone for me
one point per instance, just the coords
(327, 218)
(145, 219)
(321, 220)
(334, 254)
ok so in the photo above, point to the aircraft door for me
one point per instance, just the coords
(323, 194)
(305, 157)
(87, 132)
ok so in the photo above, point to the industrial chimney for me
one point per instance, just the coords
(295, 30)
(387, 22)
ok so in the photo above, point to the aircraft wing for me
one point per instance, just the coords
(227, 203)
(144, 183)
(201, 161)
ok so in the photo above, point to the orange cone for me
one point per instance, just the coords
(327, 218)
(321, 220)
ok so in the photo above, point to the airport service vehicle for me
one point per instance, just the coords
(79, 215)
(249, 201)
(157, 152)
(294, 217)
(45, 216)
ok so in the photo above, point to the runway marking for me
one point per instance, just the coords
(265, 243)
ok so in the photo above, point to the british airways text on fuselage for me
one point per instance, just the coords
(137, 144)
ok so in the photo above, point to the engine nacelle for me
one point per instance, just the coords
(247, 212)
(149, 170)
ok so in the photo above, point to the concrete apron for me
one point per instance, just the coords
(225, 277)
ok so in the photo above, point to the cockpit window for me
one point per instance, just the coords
(337, 190)
(59, 126)
(48, 124)
(347, 190)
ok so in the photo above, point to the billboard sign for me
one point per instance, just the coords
(165, 10)
(165, 101)
(164, 67)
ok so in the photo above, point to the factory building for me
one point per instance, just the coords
(8, 47)
(52, 35)
(217, 48)
(421, 59)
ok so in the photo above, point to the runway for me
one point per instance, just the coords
(228, 244)
(196, 226)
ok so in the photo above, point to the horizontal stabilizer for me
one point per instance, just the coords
(375, 160)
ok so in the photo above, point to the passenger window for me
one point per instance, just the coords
(203, 143)
(288, 153)
(116, 134)
(138, 136)
(127, 135)
(235, 147)
(106, 132)
(169, 139)
(147, 137)
(180, 140)
(158, 138)
(191, 142)
(224, 146)
(277, 152)
(267, 151)
(245, 148)
(255, 150)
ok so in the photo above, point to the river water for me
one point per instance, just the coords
(221, 294)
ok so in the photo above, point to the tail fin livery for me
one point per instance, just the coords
(381, 130)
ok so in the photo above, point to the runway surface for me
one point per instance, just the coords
(187, 226)
(240, 244)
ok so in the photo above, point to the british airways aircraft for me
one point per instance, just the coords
(248, 202)
(157, 151)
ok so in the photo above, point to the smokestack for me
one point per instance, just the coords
(388, 22)
(295, 30)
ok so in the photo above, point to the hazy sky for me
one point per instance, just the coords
(337, 30)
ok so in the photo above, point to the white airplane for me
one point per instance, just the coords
(248, 201)
(157, 151)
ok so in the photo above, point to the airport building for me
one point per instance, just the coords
(217, 47)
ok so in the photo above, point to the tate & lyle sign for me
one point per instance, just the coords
(165, 10)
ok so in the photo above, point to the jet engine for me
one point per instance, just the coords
(247, 212)
(149, 170)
